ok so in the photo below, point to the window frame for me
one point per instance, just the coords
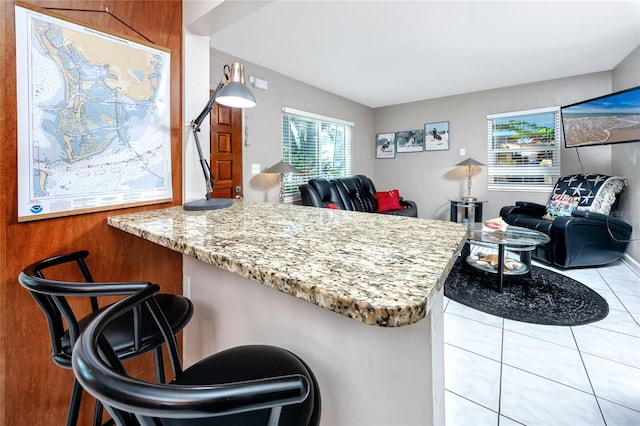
(548, 173)
(291, 181)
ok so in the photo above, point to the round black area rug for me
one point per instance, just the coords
(546, 298)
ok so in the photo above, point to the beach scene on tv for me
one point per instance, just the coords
(613, 118)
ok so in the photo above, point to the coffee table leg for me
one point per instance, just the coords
(525, 258)
(500, 267)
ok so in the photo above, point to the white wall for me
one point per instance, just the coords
(264, 129)
(195, 96)
(430, 178)
(625, 158)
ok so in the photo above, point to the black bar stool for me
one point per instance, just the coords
(131, 335)
(245, 385)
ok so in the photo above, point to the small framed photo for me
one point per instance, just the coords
(410, 141)
(436, 136)
(386, 145)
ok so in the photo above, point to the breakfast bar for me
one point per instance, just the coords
(358, 296)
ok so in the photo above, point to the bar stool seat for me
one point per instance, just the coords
(177, 309)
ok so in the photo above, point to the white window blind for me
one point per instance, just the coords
(320, 146)
(524, 150)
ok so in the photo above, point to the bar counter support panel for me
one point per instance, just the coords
(368, 375)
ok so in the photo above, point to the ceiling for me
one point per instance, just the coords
(381, 53)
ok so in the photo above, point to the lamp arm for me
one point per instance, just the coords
(206, 170)
(195, 128)
(195, 124)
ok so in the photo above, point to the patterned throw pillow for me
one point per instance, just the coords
(560, 205)
(597, 192)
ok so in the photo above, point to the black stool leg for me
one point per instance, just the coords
(74, 404)
(97, 414)
(159, 364)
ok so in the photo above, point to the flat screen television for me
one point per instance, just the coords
(613, 118)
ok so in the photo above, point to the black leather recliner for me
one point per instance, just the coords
(584, 238)
(356, 193)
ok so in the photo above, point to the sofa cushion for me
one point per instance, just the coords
(368, 192)
(388, 200)
(325, 191)
(598, 193)
(352, 194)
(560, 205)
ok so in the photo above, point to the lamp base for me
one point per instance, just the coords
(469, 199)
(208, 204)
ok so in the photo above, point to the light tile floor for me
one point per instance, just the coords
(504, 372)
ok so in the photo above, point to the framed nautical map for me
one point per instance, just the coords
(93, 119)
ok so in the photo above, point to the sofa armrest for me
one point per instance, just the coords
(408, 204)
(523, 208)
(587, 239)
(533, 209)
(309, 196)
(590, 215)
(408, 209)
(607, 220)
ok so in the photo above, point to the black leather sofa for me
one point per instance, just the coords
(585, 238)
(355, 193)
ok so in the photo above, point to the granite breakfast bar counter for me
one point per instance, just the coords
(366, 311)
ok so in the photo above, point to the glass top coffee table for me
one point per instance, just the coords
(515, 239)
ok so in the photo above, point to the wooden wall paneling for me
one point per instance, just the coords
(7, 119)
(32, 389)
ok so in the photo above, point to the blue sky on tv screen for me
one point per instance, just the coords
(624, 103)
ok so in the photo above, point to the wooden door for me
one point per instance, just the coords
(226, 151)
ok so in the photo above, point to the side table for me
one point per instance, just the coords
(467, 207)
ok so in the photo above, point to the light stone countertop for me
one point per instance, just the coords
(374, 268)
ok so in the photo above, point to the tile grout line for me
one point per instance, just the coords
(586, 370)
(501, 367)
(471, 401)
(618, 298)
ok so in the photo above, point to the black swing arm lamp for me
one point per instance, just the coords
(231, 91)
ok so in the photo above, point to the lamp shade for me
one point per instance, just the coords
(282, 167)
(470, 162)
(235, 93)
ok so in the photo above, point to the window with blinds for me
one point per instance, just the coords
(317, 145)
(524, 150)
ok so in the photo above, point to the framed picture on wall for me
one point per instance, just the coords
(410, 141)
(436, 136)
(386, 145)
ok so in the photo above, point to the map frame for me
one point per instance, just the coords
(151, 183)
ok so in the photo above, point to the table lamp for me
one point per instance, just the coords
(232, 92)
(469, 163)
(281, 168)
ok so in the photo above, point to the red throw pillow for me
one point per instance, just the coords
(388, 200)
(332, 206)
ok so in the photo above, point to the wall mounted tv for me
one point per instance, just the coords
(613, 118)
